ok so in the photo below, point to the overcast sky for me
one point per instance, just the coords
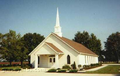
(101, 17)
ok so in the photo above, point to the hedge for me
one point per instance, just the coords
(73, 71)
(52, 70)
(66, 67)
(62, 70)
(11, 69)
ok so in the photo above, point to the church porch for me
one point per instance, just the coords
(47, 61)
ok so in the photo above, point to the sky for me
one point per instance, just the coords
(101, 17)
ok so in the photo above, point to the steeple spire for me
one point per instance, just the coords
(57, 18)
(57, 26)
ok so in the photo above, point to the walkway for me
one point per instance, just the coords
(103, 65)
(13, 73)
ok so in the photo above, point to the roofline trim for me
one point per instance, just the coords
(66, 43)
(73, 48)
(88, 54)
(52, 48)
(39, 45)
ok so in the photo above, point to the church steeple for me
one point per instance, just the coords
(57, 26)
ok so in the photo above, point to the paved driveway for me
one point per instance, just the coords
(13, 73)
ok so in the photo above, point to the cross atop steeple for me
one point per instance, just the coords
(57, 26)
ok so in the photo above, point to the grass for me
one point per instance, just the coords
(11, 67)
(111, 69)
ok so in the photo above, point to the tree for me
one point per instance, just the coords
(90, 41)
(82, 38)
(30, 40)
(8, 45)
(21, 52)
(94, 44)
(112, 46)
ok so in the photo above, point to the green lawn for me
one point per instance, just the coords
(111, 69)
(11, 67)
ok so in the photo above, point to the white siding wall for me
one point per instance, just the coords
(32, 60)
(87, 59)
(43, 61)
(45, 50)
(66, 50)
(81, 59)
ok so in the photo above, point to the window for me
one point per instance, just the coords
(50, 59)
(53, 59)
(68, 59)
(38, 60)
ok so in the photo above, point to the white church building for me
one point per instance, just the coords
(55, 51)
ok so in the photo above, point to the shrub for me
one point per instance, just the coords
(73, 71)
(66, 67)
(11, 69)
(4, 69)
(28, 66)
(62, 70)
(17, 69)
(86, 66)
(74, 65)
(52, 70)
(79, 66)
(58, 69)
(4, 65)
(7, 69)
(100, 64)
(15, 65)
(95, 65)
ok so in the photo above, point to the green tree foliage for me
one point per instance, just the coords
(112, 46)
(90, 41)
(30, 40)
(8, 45)
(12, 48)
(21, 52)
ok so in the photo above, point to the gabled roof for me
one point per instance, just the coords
(54, 47)
(77, 46)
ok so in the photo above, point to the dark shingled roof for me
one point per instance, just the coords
(54, 47)
(77, 46)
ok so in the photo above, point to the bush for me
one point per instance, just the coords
(4, 65)
(62, 70)
(7, 69)
(95, 65)
(52, 70)
(11, 69)
(73, 65)
(73, 71)
(66, 67)
(17, 69)
(4, 69)
(28, 66)
(79, 66)
(86, 66)
(15, 65)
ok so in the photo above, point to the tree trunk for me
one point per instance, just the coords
(29, 59)
(21, 63)
(10, 63)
